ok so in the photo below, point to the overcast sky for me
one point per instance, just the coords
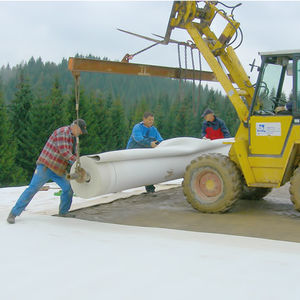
(55, 30)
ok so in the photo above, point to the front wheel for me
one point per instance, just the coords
(212, 183)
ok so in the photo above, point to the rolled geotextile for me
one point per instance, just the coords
(115, 171)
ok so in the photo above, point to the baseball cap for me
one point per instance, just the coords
(82, 125)
(206, 112)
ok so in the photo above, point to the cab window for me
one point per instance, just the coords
(268, 86)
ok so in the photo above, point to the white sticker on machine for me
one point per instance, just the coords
(268, 129)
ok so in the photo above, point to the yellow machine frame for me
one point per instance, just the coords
(265, 161)
(266, 150)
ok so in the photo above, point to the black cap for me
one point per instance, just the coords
(207, 112)
(82, 125)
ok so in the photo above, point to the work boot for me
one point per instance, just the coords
(150, 188)
(67, 215)
(11, 218)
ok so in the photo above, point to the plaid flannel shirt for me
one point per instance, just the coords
(58, 151)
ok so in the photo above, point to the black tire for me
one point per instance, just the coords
(254, 193)
(295, 189)
(212, 183)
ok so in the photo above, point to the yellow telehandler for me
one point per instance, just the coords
(266, 150)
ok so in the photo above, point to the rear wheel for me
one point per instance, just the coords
(295, 189)
(212, 183)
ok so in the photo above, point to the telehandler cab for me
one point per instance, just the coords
(266, 150)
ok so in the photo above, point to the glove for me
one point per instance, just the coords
(279, 108)
(80, 176)
(83, 176)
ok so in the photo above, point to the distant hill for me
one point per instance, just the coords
(128, 88)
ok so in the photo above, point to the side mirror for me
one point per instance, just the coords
(254, 66)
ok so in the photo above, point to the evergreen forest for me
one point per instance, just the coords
(38, 97)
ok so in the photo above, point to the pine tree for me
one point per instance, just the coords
(103, 121)
(97, 119)
(191, 121)
(171, 132)
(58, 114)
(10, 174)
(89, 143)
(84, 112)
(118, 127)
(141, 108)
(71, 105)
(180, 122)
(159, 118)
(39, 130)
(46, 115)
(20, 120)
(183, 120)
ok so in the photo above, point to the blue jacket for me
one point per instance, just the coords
(215, 129)
(142, 136)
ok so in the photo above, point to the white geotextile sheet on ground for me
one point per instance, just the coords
(48, 258)
(44, 257)
(45, 202)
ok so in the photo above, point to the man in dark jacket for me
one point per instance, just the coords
(213, 128)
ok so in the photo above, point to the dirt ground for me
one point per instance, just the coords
(273, 217)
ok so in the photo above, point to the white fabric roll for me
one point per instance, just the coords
(115, 171)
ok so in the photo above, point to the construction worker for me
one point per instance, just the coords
(145, 135)
(52, 163)
(213, 128)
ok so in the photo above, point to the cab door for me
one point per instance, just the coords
(269, 134)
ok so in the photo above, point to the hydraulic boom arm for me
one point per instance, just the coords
(217, 51)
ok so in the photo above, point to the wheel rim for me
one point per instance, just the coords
(208, 185)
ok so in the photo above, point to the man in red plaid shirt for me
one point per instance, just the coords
(52, 163)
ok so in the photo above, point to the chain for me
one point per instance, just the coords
(136, 53)
(180, 74)
(185, 62)
(77, 93)
(193, 89)
(199, 85)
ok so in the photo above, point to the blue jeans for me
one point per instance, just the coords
(42, 175)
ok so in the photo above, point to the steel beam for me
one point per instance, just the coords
(77, 65)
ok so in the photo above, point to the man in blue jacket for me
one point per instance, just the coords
(213, 128)
(145, 135)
